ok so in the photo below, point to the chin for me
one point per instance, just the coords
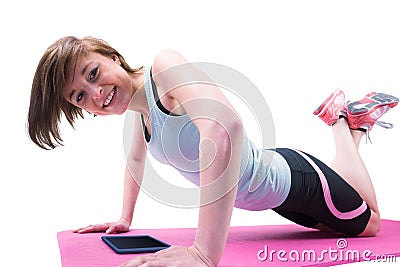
(121, 110)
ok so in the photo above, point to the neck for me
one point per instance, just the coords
(138, 101)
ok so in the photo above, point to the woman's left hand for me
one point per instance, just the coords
(172, 257)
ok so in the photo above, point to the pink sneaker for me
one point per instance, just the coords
(332, 108)
(363, 114)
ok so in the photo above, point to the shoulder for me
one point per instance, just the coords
(167, 58)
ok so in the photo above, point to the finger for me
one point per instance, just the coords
(116, 228)
(111, 230)
(93, 228)
(139, 261)
(79, 229)
(169, 252)
(84, 230)
(155, 263)
(159, 263)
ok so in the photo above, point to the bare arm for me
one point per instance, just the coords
(221, 136)
(223, 173)
(133, 172)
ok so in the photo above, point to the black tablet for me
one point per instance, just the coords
(134, 244)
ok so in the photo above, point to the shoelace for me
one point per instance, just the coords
(386, 125)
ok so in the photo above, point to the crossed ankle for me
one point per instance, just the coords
(340, 117)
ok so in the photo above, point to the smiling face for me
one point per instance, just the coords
(99, 85)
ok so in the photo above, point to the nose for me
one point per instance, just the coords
(96, 91)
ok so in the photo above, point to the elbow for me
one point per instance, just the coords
(230, 131)
(227, 135)
(220, 139)
(235, 130)
(220, 153)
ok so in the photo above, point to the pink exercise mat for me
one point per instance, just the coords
(270, 245)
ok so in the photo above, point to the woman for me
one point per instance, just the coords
(88, 74)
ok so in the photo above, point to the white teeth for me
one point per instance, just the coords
(110, 97)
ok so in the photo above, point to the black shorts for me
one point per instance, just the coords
(319, 195)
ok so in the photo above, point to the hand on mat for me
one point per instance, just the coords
(120, 226)
(172, 256)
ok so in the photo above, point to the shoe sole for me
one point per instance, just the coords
(379, 100)
(322, 108)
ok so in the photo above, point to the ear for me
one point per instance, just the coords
(115, 58)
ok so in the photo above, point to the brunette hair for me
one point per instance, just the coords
(52, 74)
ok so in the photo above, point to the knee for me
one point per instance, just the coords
(373, 230)
(373, 227)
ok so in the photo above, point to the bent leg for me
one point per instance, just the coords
(350, 166)
(320, 198)
(374, 223)
(298, 218)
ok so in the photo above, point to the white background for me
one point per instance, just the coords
(296, 52)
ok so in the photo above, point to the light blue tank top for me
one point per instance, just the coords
(264, 181)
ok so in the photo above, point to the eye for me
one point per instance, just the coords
(79, 97)
(92, 74)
